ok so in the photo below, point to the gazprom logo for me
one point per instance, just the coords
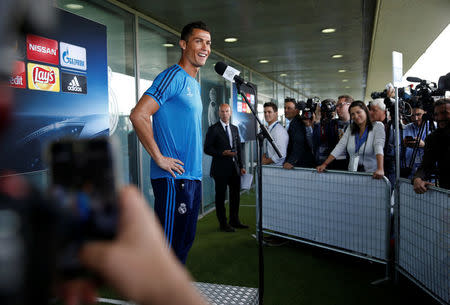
(72, 56)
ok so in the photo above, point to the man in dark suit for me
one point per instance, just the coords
(223, 144)
(299, 150)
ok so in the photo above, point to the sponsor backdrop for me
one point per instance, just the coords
(61, 89)
(242, 115)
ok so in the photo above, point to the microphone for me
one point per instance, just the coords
(228, 72)
(413, 79)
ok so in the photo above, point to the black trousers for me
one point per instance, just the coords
(234, 185)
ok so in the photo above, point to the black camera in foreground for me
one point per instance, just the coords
(41, 234)
(31, 231)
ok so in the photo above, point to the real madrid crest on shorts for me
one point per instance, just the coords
(182, 208)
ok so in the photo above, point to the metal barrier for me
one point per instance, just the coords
(423, 246)
(342, 211)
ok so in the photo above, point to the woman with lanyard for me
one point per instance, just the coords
(364, 142)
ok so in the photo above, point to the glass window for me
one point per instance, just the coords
(158, 50)
(215, 91)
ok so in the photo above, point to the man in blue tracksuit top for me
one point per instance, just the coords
(167, 120)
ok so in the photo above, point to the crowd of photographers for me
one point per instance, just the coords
(355, 136)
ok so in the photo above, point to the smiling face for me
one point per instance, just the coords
(358, 115)
(289, 110)
(197, 48)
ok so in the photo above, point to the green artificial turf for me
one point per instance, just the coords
(294, 273)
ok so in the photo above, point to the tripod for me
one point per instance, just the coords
(427, 123)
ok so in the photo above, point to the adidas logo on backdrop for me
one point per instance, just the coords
(74, 83)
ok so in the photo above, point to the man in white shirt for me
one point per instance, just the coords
(278, 133)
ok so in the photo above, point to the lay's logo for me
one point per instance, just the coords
(42, 77)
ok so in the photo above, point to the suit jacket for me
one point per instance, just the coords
(299, 153)
(215, 143)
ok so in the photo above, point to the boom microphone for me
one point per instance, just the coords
(413, 79)
(228, 72)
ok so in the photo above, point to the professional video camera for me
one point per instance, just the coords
(403, 98)
(382, 94)
(308, 108)
(425, 92)
(327, 109)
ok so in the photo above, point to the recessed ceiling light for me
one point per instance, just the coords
(342, 70)
(345, 80)
(168, 45)
(329, 30)
(283, 74)
(264, 61)
(337, 56)
(74, 6)
(230, 39)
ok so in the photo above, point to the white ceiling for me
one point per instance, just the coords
(406, 26)
(288, 33)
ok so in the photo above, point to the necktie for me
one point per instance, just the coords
(228, 135)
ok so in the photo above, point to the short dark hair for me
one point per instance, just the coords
(290, 100)
(348, 98)
(271, 104)
(442, 101)
(188, 28)
(417, 104)
(354, 128)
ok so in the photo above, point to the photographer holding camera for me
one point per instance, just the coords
(411, 137)
(328, 131)
(436, 151)
(299, 151)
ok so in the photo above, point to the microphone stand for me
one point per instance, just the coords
(263, 134)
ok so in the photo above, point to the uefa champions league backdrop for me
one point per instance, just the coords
(60, 86)
(242, 115)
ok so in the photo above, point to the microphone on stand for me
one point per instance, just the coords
(229, 73)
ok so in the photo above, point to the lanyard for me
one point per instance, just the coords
(360, 140)
(270, 130)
